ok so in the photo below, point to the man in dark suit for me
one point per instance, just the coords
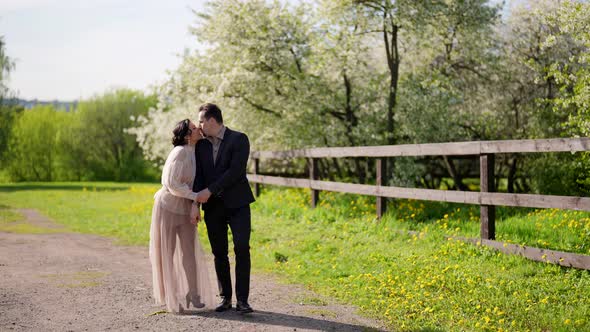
(224, 190)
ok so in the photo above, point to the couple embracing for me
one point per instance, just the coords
(206, 170)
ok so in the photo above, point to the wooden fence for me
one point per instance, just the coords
(486, 198)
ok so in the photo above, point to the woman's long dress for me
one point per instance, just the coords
(179, 268)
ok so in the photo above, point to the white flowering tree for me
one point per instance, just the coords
(154, 134)
(289, 77)
(311, 74)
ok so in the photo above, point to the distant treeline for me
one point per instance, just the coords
(28, 104)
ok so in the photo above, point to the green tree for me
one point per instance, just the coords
(571, 22)
(109, 152)
(72, 162)
(32, 147)
(440, 57)
(8, 111)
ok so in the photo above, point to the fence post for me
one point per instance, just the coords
(486, 184)
(313, 175)
(380, 180)
(256, 171)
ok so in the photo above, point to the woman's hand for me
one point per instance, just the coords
(195, 216)
(196, 220)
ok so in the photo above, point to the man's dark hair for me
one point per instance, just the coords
(211, 111)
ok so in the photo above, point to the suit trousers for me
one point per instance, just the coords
(217, 219)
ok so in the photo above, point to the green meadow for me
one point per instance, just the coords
(417, 281)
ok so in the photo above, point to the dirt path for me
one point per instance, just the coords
(77, 282)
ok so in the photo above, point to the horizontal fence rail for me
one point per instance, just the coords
(436, 149)
(540, 255)
(486, 198)
(466, 197)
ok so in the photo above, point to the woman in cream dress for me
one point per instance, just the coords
(179, 269)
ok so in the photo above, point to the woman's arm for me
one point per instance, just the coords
(172, 178)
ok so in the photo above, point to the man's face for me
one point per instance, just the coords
(206, 125)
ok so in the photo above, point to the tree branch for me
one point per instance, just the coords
(255, 105)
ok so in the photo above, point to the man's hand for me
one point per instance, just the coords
(203, 196)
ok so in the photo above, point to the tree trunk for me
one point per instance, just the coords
(454, 174)
(512, 175)
(337, 168)
(360, 170)
(393, 61)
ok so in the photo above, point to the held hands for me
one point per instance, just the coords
(203, 196)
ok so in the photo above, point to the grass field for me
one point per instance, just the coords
(412, 282)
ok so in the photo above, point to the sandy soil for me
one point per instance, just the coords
(76, 282)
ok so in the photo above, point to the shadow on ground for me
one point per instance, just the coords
(279, 319)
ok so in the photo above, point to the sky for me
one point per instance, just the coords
(74, 49)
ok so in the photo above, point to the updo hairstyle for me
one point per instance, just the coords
(180, 132)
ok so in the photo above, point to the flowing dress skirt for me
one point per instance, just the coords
(179, 268)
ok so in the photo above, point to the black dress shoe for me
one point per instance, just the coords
(243, 307)
(224, 305)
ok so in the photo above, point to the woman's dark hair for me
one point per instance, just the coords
(211, 111)
(180, 131)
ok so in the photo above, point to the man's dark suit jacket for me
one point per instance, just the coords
(227, 179)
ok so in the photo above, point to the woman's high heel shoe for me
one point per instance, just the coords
(180, 310)
(195, 299)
